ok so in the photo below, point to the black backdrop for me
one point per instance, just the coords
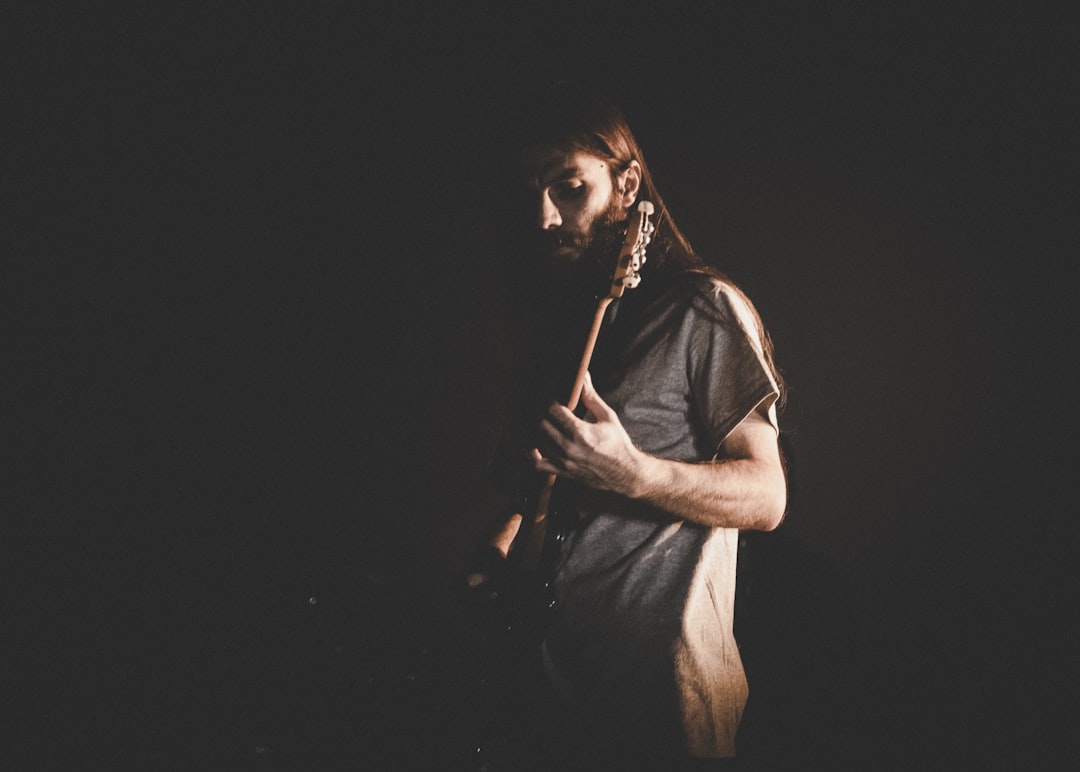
(245, 332)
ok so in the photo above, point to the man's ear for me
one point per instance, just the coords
(629, 183)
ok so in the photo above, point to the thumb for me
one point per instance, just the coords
(592, 401)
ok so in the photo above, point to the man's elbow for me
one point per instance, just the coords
(773, 507)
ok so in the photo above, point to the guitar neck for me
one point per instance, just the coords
(537, 528)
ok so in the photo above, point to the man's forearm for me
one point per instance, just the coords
(737, 493)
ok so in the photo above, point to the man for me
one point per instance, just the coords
(675, 452)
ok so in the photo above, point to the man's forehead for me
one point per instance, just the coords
(543, 165)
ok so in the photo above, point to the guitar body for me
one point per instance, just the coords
(529, 592)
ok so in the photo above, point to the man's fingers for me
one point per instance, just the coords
(546, 462)
(505, 537)
(560, 417)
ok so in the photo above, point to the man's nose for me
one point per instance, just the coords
(549, 213)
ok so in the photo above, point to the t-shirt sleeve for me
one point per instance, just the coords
(729, 374)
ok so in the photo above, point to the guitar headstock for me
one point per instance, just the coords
(632, 253)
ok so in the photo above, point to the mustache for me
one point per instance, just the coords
(550, 241)
(601, 237)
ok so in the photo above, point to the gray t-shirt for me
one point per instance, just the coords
(643, 634)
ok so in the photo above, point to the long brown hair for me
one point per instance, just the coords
(576, 116)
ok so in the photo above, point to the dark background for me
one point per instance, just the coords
(246, 334)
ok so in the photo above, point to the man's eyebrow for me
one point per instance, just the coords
(550, 175)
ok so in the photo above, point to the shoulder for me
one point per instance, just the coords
(715, 296)
(716, 308)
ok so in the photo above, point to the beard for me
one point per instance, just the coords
(581, 261)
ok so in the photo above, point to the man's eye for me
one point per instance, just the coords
(569, 190)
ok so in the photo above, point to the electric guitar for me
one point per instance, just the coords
(533, 551)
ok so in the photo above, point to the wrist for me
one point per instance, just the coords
(644, 473)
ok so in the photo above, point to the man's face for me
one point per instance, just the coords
(578, 208)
